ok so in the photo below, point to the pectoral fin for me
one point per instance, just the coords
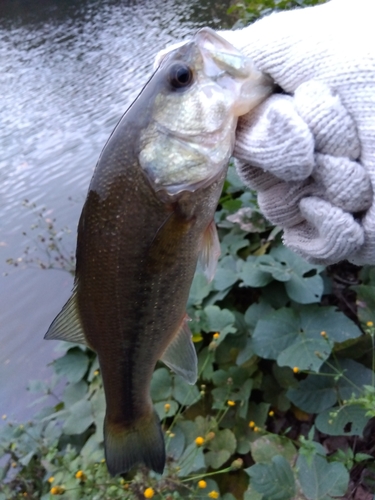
(180, 356)
(210, 251)
(67, 324)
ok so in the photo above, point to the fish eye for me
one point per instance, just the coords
(180, 76)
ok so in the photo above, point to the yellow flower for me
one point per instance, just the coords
(296, 369)
(202, 484)
(199, 441)
(167, 407)
(231, 403)
(256, 429)
(271, 413)
(369, 323)
(96, 373)
(80, 475)
(216, 335)
(149, 493)
(213, 494)
(251, 424)
(57, 490)
(323, 334)
(51, 479)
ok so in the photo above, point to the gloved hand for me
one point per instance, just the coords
(310, 153)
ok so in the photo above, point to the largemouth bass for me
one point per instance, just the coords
(147, 219)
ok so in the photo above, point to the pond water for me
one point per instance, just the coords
(68, 71)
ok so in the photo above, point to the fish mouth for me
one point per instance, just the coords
(195, 140)
(170, 192)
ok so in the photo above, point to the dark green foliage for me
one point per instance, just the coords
(280, 367)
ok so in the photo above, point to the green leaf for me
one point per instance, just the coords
(92, 450)
(319, 392)
(275, 480)
(349, 420)
(73, 365)
(175, 443)
(199, 289)
(305, 353)
(160, 408)
(301, 287)
(266, 447)
(184, 393)
(251, 494)
(337, 326)
(80, 418)
(355, 376)
(366, 302)
(98, 405)
(221, 447)
(252, 275)
(278, 270)
(161, 385)
(321, 480)
(284, 376)
(257, 311)
(314, 394)
(246, 353)
(26, 458)
(220, 320)
(275, 333)
(216, 459)
(191, 460)
(305, 290)
(233, 241)
(74, 393)
(360, 457)
(226, 274)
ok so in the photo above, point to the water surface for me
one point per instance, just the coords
(68, 71)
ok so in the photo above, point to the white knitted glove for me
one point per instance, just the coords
(311, 154)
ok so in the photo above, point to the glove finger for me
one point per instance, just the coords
(275, 138)
(328, 234)
(346, 183)
(333, 128)
(254, 177)
(280, 204)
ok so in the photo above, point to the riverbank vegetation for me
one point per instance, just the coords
(284, 407)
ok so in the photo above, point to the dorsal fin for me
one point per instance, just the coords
(67, 324)
(180, 356)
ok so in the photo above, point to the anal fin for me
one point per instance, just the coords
(210, 251)
(180, 356)
(67, 324)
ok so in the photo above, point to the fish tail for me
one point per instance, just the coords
(128, 445)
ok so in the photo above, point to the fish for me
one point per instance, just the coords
(147, 220)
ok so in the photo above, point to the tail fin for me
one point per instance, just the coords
(143, 442)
